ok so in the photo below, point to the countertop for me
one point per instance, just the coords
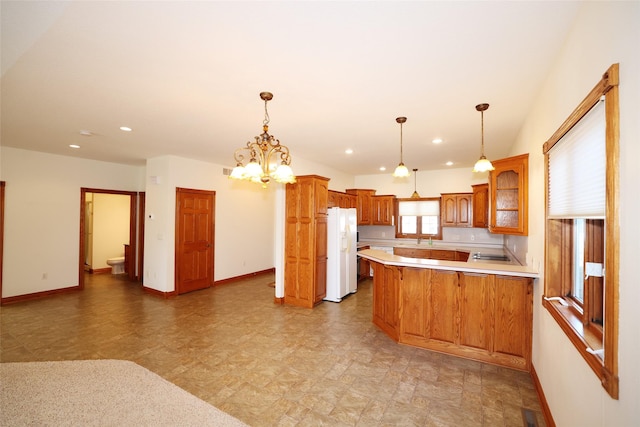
(507, 268)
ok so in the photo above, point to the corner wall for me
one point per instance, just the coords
(603, 33)
(42, 215)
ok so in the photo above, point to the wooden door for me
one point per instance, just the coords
(195, 219)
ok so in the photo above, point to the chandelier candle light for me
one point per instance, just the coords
(401, 170)
(263, 155)
(483, 164)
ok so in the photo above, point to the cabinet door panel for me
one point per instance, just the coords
(475, 313)
(448, 211)
(413, 311)
(443, 288)
(513, 316)
(378, 292)
(508, 188)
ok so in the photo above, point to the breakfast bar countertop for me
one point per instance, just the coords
(472, 265)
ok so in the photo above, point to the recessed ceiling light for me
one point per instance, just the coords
(86, 133)
(437, 141)
(74, 146)
(449, 163)
(125, 128)
(382, 168)
(348, 151)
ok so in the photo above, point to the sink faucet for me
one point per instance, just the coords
(419, 239)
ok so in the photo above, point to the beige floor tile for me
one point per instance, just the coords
(267, 364)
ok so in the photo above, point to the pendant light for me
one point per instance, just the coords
(483, 164)
(401, 171)
(415, 194)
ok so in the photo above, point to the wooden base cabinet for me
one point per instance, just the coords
(482, 317)
(305, 269)
(385, 298)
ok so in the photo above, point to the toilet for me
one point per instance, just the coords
(117, 265)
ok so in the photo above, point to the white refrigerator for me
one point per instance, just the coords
(342, 260)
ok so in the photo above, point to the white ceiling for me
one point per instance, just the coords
(186, 76)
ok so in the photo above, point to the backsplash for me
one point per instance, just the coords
(449, 234)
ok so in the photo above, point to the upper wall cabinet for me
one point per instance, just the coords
(363, 205)
(338, 199)
(456, 209)
(480, 205)
(382, 208)
(508, 196)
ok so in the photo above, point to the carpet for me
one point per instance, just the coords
(98, 392)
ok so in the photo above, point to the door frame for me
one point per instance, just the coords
(133, 227)
(2, 184)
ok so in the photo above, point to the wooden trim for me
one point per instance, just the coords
(2, 184)
(142, 200)
(100, 270)
(132, 226)
(612, 230)
(546, 411)
(610, 79)
(157, 293)
(570, 323)
(38, 295)
(278, 301)
(244, 276)
(607, 369)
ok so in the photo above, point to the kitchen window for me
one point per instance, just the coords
(418, 218)
(582, 229)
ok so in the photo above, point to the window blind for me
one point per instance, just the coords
(419, 208)
(577, 166)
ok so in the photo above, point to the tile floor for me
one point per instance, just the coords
(266, 364)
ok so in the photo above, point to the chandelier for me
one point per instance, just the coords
(264, 154)
(483, 164)
(401, 170)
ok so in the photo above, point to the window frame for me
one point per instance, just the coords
(399, 235)
(584, 334)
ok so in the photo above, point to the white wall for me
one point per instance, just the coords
(110, 227)
(245, 230)
(428, 183)
(244, 217)
(42, 215)
(604, 33)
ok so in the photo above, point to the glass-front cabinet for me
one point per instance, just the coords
(508, 188)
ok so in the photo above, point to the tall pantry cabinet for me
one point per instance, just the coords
(305, 252)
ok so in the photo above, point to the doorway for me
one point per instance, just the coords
(132, 255)
(195, 224)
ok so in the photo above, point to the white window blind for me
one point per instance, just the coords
(419, 208)
(577, 166)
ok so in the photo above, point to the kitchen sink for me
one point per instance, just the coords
(490, 257)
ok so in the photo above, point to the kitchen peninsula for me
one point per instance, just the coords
(477, 309)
